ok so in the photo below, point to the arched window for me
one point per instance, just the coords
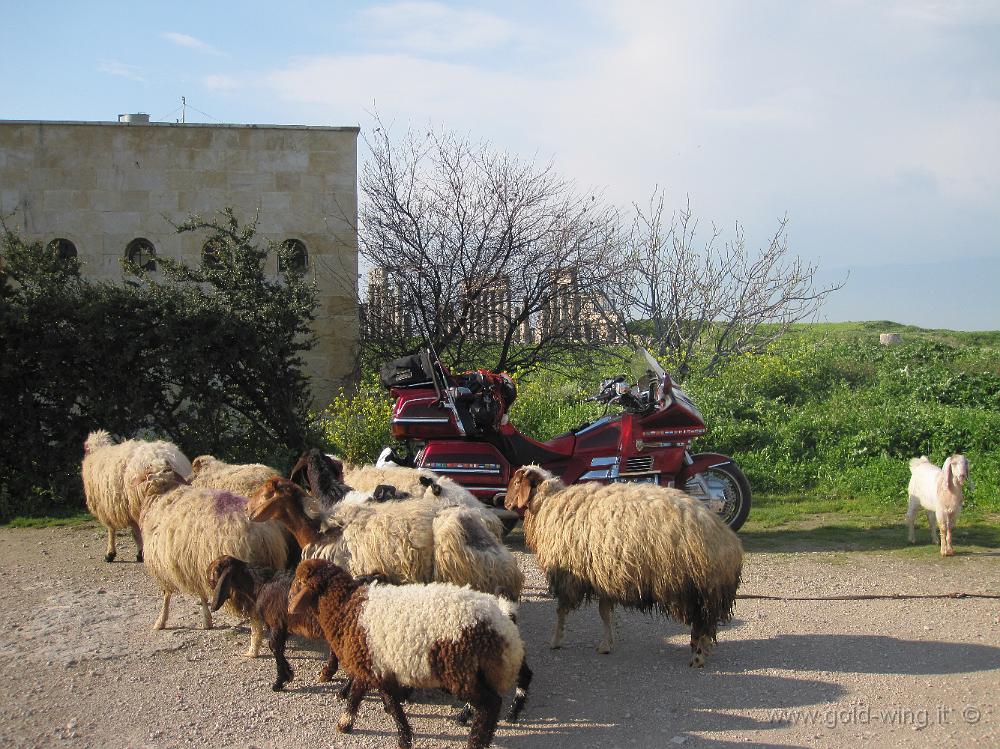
(63, 247)
(210, 259)
(142, 253)
(297, 257)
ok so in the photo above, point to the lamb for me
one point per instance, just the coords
(261, 595)
(416, 541)
(109, 473)
(939, 491)
(451, 638)
(329, 481)
(639, 546)
(242, 479)
(186, 527)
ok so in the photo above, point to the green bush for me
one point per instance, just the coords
(208, 358)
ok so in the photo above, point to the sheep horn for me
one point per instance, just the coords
(299, 465)
(222, 588)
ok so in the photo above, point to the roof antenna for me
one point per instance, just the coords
(183, 109)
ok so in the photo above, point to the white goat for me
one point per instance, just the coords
(939, 491)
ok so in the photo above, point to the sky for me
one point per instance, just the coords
(873, 126)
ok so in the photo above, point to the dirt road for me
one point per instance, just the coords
(83, 669)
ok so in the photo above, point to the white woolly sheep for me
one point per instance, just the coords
(329, 479)
(639, 546)
(187, 527)
(450, 638)
(109, 474)
(939, 491)
(415, 541)
(243, 479)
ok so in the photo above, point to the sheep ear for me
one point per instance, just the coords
(948, 478)
(336, 466)
(222, 589)
(298, 602)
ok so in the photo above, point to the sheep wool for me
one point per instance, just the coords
(438, 618)
(243, 479)
(110, 471)
(408, 480)
(644, 547)
(188, 527)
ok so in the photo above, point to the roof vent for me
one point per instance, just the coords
(139, 118)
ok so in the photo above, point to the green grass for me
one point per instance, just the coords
(789, 524)
(72, 517)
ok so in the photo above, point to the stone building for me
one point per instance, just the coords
(107, 190)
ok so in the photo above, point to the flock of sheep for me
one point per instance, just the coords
(404, 574)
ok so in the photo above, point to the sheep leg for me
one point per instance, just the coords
(256, 637)
(276, 641)
(206, 615)
(605, 606)
(946, 550)
(356, 694)
(560, 631)
(326, 674)
(486, 703)
(164, 611)
(911, 518)
(932, 522)
(112, 551)
(702, 640)
(137, 537)
(391, 701)
(520, 693)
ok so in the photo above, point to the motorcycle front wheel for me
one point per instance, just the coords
(728, 483)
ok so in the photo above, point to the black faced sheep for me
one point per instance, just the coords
(109, 474)
(635, 545)
(450, 638)
(187, 527)
(414, 541)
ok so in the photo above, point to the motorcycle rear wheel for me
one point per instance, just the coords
(736, 488)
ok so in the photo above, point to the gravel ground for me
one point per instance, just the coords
(84, 669)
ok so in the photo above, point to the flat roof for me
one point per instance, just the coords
(347, 128)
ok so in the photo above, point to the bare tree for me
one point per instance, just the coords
(696, 307)
(495, 260)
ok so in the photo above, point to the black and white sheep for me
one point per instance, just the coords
(450, 638)
(109, 474)
(639, 546)
(187, 527)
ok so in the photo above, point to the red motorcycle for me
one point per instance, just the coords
(457, 426)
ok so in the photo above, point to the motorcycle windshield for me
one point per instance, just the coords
(645, 371)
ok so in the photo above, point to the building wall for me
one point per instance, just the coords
(101, 185)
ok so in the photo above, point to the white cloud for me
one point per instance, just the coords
(121, 69)
(841, 121)
(191, 42)
(435, 29)
(222, 82)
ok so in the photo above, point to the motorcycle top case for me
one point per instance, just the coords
(408, 371)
